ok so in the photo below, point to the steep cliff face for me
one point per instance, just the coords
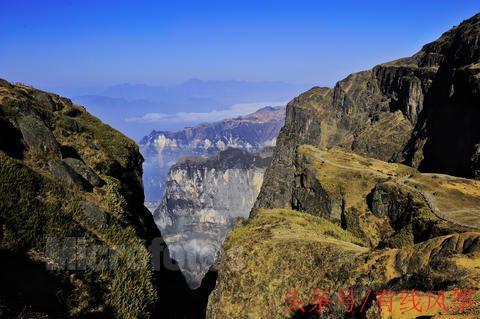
(72, 199)
(202, 200)
(338, 208)
(361, 224)
(446, 136)
(420, 111)
(76, 240)
(162, 149)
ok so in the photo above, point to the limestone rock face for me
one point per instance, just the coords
(421, 111)
(202, 200)
(162, 149)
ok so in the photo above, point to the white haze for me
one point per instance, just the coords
(211, 116)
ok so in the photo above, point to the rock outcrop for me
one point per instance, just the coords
(360, 223)
(162, 149)
(357, 195)
(203, 198)
(76, 240)
(420, 111)
(67, 178)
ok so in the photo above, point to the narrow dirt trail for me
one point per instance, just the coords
(429, 198)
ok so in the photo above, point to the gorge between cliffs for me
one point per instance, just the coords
(372, 185)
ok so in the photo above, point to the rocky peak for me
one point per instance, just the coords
(162, 149)
(231, 158)
(420, 111)
(203, 198)
(457, 47)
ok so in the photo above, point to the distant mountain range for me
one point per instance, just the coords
(224, 92)
(162, 149)
(125, 106)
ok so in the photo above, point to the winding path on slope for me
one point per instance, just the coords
(429, 198)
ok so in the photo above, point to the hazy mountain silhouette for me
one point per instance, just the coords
(120, 102)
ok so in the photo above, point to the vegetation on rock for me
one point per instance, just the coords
(45, 198)
(358, 223)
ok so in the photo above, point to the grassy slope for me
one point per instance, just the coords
(279, 250)
(35, 206)
(282, 249)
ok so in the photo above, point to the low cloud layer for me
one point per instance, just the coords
(214, 115)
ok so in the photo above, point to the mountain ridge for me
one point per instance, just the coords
(417, 110)
(76, 240)
(67, 176)
(203, 199)
(162, 149)
(373, 186)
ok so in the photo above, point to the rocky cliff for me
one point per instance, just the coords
(66, 178)
(420, 111)
(357, 196)
(162, 149)
(203, 198)
(76, 240)
(359, 224)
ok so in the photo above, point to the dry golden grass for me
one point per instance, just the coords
(457, 198)
(282, 249)
(277, 251)
(349, 176)
(352, 177)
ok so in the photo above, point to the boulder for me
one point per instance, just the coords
(37, 136)
(94, 214)
(69, 125)
(83, 170)
(46, 99)
(67, 175)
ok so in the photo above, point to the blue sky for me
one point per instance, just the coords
(73, 43)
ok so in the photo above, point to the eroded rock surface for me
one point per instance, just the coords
(202, 200)
(360, 223)
(162, 149)
(74, 233)
(421, 111)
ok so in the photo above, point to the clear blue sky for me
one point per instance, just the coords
(81, 43)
